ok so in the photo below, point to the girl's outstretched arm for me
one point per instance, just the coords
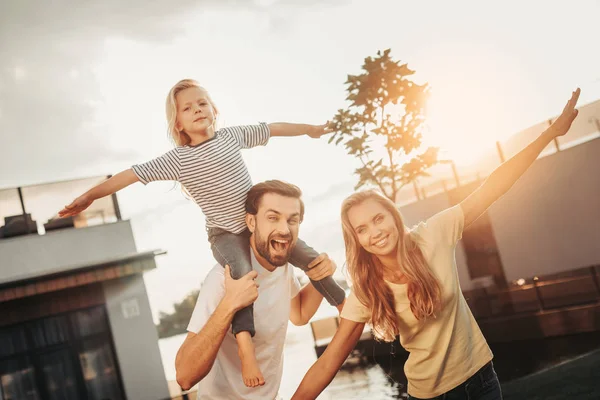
(323, 371)
(110, 186)
(503, 177)
(289, 129)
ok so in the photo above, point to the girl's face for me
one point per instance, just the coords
(374, 227)
(195, 113)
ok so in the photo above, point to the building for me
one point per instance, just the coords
(530, 266)
(548, 223)
(75, 321)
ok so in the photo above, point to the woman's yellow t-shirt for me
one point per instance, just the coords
(446, 350)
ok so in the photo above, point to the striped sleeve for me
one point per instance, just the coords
(249, 136)
(163, 168)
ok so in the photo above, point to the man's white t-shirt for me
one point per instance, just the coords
(271, 316)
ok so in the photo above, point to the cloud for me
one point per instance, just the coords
(50, 94)
(154, 20)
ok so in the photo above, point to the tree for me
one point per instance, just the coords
(385, 116)
(176, 323)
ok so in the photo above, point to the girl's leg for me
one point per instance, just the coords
(234, 250)
(301, 256)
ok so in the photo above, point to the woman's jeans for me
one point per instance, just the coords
(483, 385)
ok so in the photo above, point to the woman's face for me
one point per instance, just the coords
(375, 228)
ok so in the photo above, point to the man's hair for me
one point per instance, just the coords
(257, 192)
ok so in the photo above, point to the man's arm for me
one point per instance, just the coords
(305, 304)
(198, 352)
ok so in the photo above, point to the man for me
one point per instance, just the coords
(209, 353)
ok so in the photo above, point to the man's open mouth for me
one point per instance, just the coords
(280, 245)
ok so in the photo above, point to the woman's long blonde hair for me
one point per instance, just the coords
(366, 272)
(180, 138)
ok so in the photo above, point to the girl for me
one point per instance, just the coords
(406, 283)
(209, 165)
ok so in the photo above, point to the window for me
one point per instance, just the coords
(63, 357)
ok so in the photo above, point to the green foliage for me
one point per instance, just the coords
(176, 323)
(384, 103)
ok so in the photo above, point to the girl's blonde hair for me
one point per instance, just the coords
(366, 272)
(180, 138)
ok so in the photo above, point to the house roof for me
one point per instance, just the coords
(79, 275)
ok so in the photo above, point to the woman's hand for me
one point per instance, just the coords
(563, 122)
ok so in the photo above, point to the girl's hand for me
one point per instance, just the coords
(564, 121)
(77, 206)
(316, 131)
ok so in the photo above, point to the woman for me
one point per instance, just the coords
(406, 283)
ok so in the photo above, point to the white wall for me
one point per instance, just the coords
(135, 339)
(550, 220)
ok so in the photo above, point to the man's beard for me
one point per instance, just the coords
(263, 247)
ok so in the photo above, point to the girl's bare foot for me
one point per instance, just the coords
(251, 373)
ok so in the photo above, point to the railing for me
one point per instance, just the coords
(446, 176)
(536, 296)
(33, 209)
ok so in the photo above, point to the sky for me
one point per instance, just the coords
(83, 85)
